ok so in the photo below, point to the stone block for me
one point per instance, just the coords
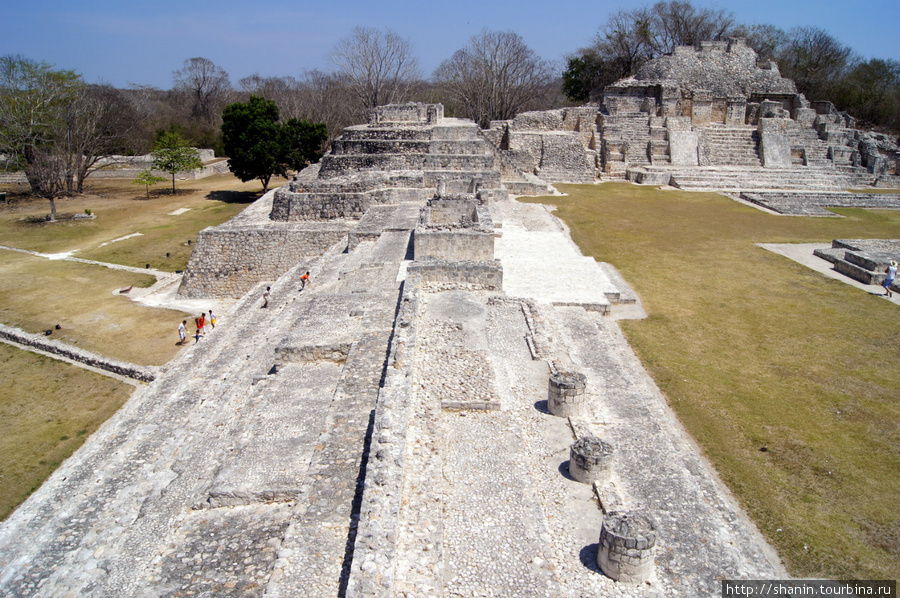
(683, 148)
(774, 142)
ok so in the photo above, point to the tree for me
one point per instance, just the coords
(302, 142)
(147, 178)
(97, 123)
(816, 61)
(172, 154)
(378, 66)
(252, 139)
(206, 84)
(493, 77)
(259, 147)
(33, 101)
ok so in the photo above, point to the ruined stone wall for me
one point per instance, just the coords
(557, 145)
(725, 69)
(460, 273)
(448, 244)
(229, 261)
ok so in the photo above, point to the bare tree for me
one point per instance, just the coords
(815, 60)
(493, 77)
(97, 123)
(207, 85)
(286, 92)
(378, 66)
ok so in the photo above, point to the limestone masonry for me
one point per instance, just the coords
(448, 408)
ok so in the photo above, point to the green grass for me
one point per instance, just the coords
(47, 410)
(122, 210)
(754, 351)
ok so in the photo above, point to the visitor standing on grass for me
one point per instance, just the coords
(304, 280)
(182, 332)
(266, 296)
(212, 319)
(891, 272)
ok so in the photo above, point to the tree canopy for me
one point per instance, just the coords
(493, 77)
(259, 147)
(172, 153)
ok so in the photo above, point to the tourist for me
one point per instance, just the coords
(266, 296)
(182, 332)
(304, 280)
(200, 323)
(891, 272)
(212, 319)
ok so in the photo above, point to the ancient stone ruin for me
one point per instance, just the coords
(400, 425)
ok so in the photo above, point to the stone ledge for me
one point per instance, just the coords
(55, 347)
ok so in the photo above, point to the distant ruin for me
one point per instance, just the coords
(709, 118)
(448, 407)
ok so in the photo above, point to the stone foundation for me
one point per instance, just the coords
(590, 460)
(565, 393)
(627, 544)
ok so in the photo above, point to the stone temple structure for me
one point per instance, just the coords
(404, 424)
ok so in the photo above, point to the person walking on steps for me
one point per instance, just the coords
(891, 272)
(212, 319)
(304, 280)
(266, 296)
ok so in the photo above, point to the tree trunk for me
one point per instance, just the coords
(52, 210)
(173, 183)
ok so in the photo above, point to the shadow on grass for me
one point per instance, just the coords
(234, 196)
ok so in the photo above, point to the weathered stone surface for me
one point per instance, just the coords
(590, 459)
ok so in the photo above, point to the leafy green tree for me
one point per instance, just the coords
(172, 153)
(302, 142)
(252, 138)
(147, 178)
(259, 147)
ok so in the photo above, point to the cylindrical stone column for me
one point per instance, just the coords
(565, 393)
(627, 542)
(590, 460)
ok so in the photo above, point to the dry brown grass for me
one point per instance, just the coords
(47, 410)
(790, 381)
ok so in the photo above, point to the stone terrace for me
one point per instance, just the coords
(317, 448)
(814, 204)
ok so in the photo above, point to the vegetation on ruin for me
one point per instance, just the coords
(787, 379)
(47, 409)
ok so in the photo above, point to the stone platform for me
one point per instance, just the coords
(413, 455)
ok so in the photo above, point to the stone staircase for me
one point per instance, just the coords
(626, 141)
(391, 163)
(734, 179)
(729, 146)
(807, 149)
(659, 141)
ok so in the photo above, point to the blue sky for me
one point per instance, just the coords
(122, 43)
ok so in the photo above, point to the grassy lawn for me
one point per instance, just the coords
(790, 381)
(121, 209)
(47, 409)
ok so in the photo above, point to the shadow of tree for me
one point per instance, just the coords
(234, 196)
